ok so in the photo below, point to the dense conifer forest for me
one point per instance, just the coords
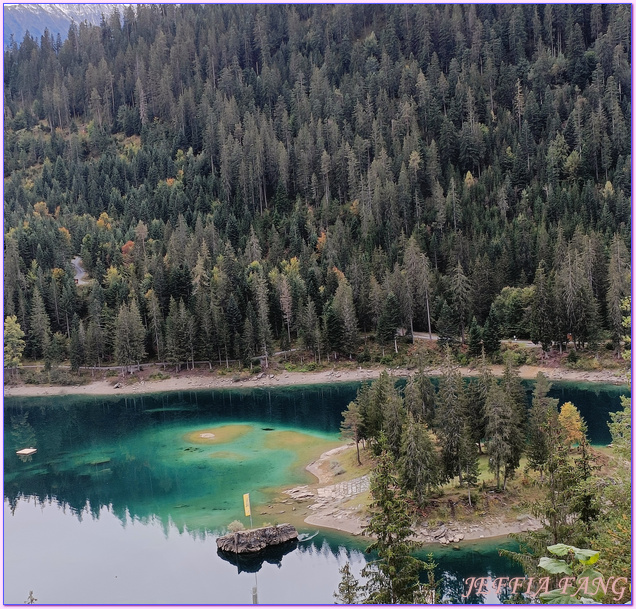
(238, 179)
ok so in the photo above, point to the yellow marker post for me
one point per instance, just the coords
(246, 505)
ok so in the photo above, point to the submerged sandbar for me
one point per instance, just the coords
(218, 435)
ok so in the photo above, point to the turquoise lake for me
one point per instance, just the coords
(126, 495)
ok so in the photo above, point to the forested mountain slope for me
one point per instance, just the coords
(237, 175)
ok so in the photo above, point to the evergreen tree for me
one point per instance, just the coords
(541, 310)
(76, 351)
(476, 394)
(498, 425)
(474, 338)
(516, 398)
(343, 305)
(394, 577)
(393, 417)
(420, 470)
(469, 458)
(491, 336)
(40, 326)
(259, 288)
(419, 398)
(450, 416)
(461, 291)
(333, 330)
(129, 336)
(446, 327)
(618, 288)
(349, 591)
(389, 321)
(541, 413)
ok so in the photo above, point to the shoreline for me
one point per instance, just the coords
(334, 505)
(203, 379)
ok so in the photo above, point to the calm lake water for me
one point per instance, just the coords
(124, 499)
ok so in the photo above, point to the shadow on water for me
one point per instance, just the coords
(252, 563)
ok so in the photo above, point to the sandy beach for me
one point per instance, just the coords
(204, 379)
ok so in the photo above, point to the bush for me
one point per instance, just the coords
(158, 376)
(235, 526)
(256, 370)
(462, 359)
(387, 360)
(363, 357)
(572, 357)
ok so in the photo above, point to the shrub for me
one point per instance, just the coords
(158, 376)
(235, 526)
(462, 359)
(363, 357)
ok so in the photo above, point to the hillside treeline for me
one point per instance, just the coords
(237, 178)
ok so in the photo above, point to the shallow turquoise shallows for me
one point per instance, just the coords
(126, 495)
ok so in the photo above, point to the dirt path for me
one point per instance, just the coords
(80, 273)
(204, 379)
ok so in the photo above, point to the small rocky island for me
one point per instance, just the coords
(255, 540)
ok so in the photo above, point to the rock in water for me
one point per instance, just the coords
(255, 540)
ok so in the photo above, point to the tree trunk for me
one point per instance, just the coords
(428, 315)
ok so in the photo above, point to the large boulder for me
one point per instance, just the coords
(255, 540)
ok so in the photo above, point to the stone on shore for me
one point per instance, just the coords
(255, 540)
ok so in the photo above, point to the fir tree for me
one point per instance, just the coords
(450, 417)
(394, 577)
(498, 424)
(491, 337)
(389, 321)
(349, 590)
(541, 412)
(474, 338)
(420, 470)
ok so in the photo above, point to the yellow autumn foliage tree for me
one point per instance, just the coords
(572, 423)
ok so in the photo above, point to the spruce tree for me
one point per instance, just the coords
(498, 424)
(394, 577)
(389, 321)
(420, 470)
(450, 415)
(474, 338)
(349, 590)
(541, 412)
(76, 350)
(516, 405)
(541, 310)
(446, 326)
(491, 337)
